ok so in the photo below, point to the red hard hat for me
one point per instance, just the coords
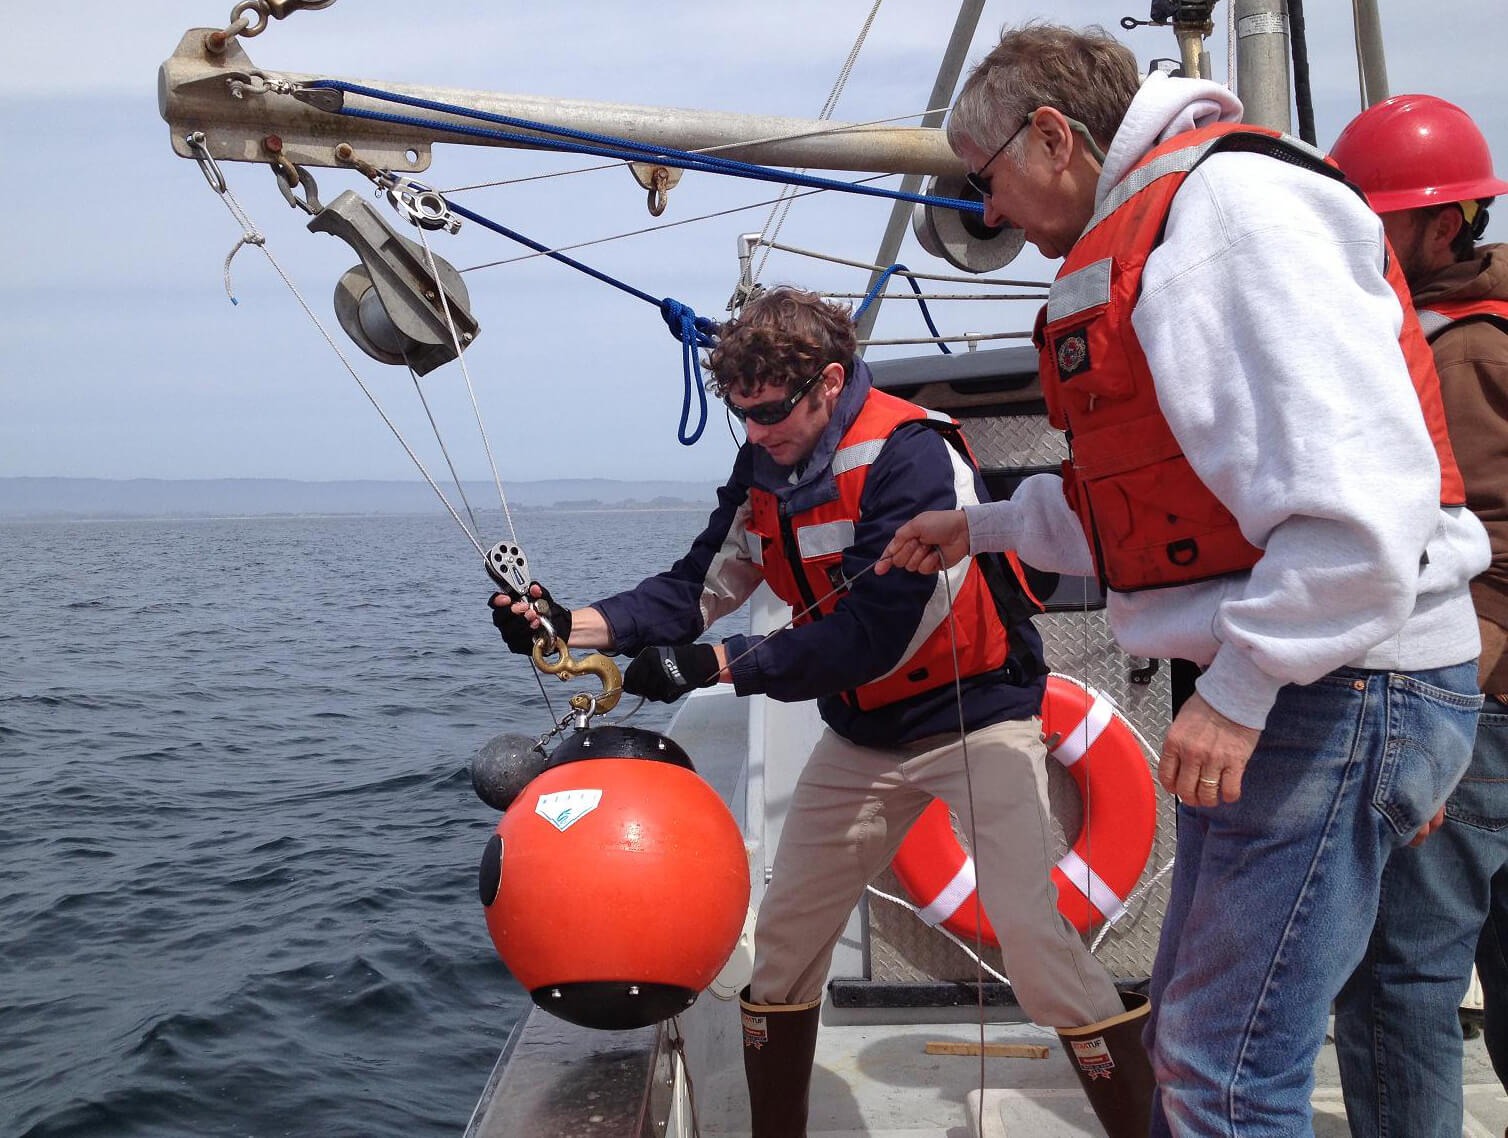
(1416, 150)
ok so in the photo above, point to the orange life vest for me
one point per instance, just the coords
(802, 557)
(1149, 519)
(1437, 317)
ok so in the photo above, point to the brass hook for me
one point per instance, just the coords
(567, 667)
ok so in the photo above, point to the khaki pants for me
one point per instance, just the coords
(851, 808)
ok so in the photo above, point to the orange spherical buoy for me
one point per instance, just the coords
(616, 885)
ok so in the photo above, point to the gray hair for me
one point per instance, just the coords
(1087, 74)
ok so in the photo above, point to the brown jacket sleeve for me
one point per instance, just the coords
(1472, 359)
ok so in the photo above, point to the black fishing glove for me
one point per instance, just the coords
(666, 674)
(517, 633)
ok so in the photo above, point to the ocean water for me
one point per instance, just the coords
(238, 840)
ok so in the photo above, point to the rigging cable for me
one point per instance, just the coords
(434, 426)
(648, 228)
(968, 781)
(693, 331)
(782, 208)
(455, 342)
(253, 236)
(949, 278)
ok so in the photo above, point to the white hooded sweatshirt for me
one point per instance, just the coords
(1272, 336)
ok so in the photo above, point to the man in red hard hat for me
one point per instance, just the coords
(1425, 168)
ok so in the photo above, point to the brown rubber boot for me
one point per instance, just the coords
(1114, 1069)
(779, 1042)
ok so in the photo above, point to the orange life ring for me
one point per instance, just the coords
(1085, 733)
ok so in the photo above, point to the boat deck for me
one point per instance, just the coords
(878, 1080)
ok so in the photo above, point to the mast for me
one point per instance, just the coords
(1262, 62)
(1369, 53)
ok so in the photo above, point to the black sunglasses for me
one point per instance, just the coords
(775, 411)
(979, 181)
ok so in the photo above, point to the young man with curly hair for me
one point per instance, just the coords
(831, 468)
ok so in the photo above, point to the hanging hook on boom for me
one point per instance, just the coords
(658, 180)
(290, 178)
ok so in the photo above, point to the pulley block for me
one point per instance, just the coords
(391, 305)
(962, 239)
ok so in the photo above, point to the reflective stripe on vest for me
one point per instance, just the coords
(824, 539)
(1442, 314)
(1182, 160)
(1149, 520)
(1433, 322)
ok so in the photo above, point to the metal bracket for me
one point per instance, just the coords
(237, 104)
(745, 290)
(390, 304)
(658, 180)
(422, 206)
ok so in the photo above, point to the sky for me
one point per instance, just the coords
(123, 357)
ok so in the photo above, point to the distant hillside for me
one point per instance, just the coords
(158, 497)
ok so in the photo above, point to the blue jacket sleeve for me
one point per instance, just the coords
(714, 578)
(866, 634)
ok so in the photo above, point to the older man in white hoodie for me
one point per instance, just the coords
(1260, 476)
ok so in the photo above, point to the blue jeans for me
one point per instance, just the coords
(1397, 1025)
(1492, 949)
(1274, 896)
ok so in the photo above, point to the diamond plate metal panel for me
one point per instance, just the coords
(1016, 440)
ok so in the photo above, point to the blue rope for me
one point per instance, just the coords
(609, 146)
(512, 235)
(693, 331)
(879, 286)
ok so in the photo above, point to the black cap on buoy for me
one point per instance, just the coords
(620, 743)
(504, 766)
